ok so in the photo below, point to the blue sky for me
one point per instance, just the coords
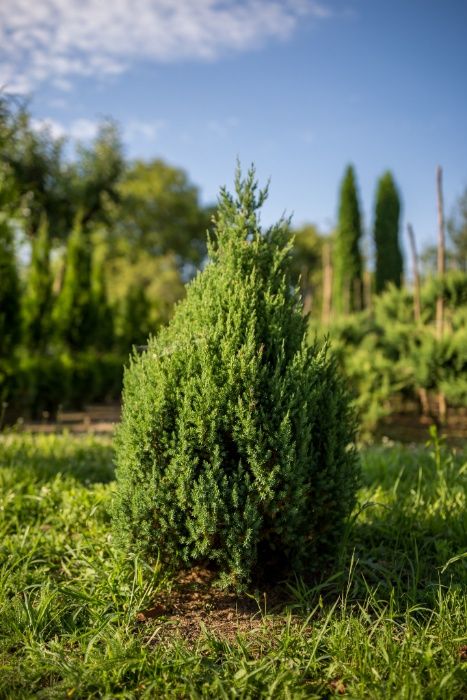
(298, 87)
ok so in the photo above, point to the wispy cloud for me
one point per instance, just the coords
(57, 40)
(87, 129)
(78, 129)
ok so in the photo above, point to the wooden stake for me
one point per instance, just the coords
(417, 306)
(417, 310)
(327, 282)
(441, 271)
(441, 254)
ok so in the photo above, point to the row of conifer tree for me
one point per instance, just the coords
(79, 315)
(348, 266)
(75, 316)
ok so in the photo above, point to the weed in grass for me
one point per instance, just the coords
(390, 624)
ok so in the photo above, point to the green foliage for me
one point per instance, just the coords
(135, 326)
(307, 266)
(34, 383)
(160, 212)
(386, 356)
(37, 297)
(236, 441)
(348, 266)
(391, 626)
(10, 321)
(389, 261)
(34, 161)
(48, 183)
(73, 313)
(95, 176)
(103, 316)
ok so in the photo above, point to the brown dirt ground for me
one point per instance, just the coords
(195, 605)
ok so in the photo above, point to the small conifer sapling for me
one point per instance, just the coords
(236, 446)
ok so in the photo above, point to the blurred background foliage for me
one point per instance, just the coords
(95, 251)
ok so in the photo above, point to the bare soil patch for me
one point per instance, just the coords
(195, 605)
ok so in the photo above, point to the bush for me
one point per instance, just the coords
(236, 443)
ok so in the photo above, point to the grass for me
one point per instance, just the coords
(391, 623)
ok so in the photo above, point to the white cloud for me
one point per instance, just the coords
(54, 127)
(86, 129)
(55, 40)
(78, 129)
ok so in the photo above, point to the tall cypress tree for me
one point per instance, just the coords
(348, 266)
(10, 323)
(38, 293)
(389, 261)
(73, 313)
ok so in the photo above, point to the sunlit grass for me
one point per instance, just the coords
(390, 623)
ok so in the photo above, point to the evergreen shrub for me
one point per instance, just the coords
(236, 446)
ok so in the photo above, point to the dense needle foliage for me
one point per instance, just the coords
(235, 447)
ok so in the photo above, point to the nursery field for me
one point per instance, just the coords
(79, 621)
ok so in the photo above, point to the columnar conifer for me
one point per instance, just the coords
(103, 331)
(347, 259)
(10, 327)
(38, 293)
(236, 443)
(73, 314)
(389, 261)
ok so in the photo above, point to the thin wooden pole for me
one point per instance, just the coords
(441, 254)
(327, 282)
(417, 306)
(417, 309)
(442, 408)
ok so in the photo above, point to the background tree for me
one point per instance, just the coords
(135, 322)
(160, 212)
(96, 174)
(347, 259)
(10, 323)
(457, 229)
(48, 182)
(388, 255)
(306, 265)
(37, 297)
(103, 321)
(73, 313)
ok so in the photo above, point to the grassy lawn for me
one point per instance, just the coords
(77, 620)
